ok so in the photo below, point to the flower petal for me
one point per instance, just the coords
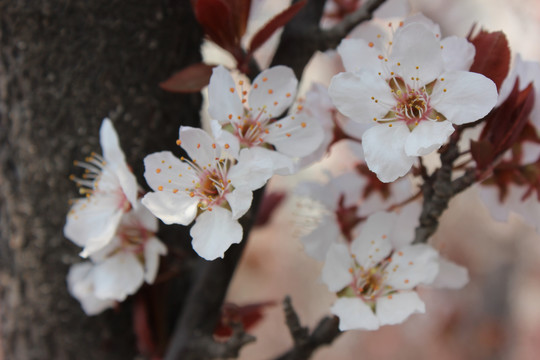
(153, 249)
(457, 53)
(81, 286)
(418, 53)
(384, 149)
(404, 228)
(214, 232)
(179, 208)
(335, 273)
(356, 54)
(362, 95)
(396, 308)
(427, 137)
(163, 166)
(373, 243)
(273, 89)
(225, 139)
(253, 169)
(463, 97)
(353, 314)
(222, 101)
(240, 201)
(318, 241)
(116, 161)
(118, 276)
(198, 145)
(296, 135)
(412, 265)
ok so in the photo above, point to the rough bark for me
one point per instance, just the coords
(64, 65)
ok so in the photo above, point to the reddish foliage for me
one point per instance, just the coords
(275, 23)
(188, 80)
(248, 315)
(492, 57)
(504, 126)
(269, 204)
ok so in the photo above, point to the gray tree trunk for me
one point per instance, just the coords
(64, 65)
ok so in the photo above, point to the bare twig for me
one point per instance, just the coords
(299, 333)
(331, 38)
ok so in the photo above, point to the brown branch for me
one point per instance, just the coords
(438, 189)
(304, 344)
(330, 39)
(202, 308)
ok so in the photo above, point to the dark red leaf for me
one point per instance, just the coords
(483, 153)
(269, 204)
(505, 125)
(248, 315)
(275, 23)
(492, 57)
(188, 80)
(240, 14)
(216, 18)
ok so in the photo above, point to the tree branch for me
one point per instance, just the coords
(304, 344)
(330, 39)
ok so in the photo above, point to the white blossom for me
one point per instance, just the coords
(110, 190)
(212, 187)
(409, 94)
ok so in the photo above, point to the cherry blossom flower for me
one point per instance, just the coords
(375, 279)
(245, 117)
(345, 202)
(120, 268)
(110, 190)
(130, 259)
(408, 94)
(211, 187)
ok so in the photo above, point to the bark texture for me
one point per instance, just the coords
(64, 65)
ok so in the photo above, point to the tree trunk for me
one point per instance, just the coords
(64, 66)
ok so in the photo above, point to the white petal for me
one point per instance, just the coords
(118, 276)
(222, 101)
(451, 275)
(468, 96)
(317, 242)
(353, 314)
(352, 94)
(335, 273)
(163, 166)
(214, 232)
(92, 220)
(198, 145)
(179, 208)
(240, 201)
(427, 137)
(418, 53)
(405, 225)
(81, 286)
(457, 53)
(384, 149)
(273, 89)
(141, 217)
(296, 135)
(398, 307)
(373, 243)
(153, 249)
(393, 9)
(116, 161)
(225, 139)
(253, 169)
(411, 266)
(420, 18)
(356, 54)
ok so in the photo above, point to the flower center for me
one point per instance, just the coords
(368, 284)
(212, 186)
